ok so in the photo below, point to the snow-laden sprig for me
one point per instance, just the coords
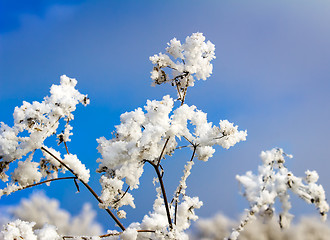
(193, 62)
(18, 230)
(274, 181)
(39, 120)
(27, 173)
(33, 123)
(152, 134)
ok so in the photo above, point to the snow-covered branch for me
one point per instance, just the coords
(274, 182)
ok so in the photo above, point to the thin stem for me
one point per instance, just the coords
(172, 68)
(177, 88)
(163, 150)
(180, 147)
(66, 148)
(122, 195)
(116, 234)
(164, 196)
(193, 154)
(108, 234)
(163, 192)
(185, 92)
(59, 160)
(177, 194)
(87, 186)
(175, 211)
(46, 181)
(220, 137)
(188, 140)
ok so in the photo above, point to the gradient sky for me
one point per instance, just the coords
(271, 77)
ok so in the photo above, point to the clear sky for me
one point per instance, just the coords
(271, 77)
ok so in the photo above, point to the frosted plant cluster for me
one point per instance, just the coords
(145, 136)
(33, 123)
(192, 62)
(275, 181)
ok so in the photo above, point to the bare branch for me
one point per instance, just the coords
(188, 140)
(106, 235)
(180, 147)
(46, 181)
(163, 192)
(162, 153)
(178, 192)
(122, 195)
(88, 187)
(66, 147)
(185, 91)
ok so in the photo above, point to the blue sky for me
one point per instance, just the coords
(271, 77)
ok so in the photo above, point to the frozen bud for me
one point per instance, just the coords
(204, 153)
(274, 155)
(311, 176)
(174, 48)
(121, 214)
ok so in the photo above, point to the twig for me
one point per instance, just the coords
(220, 137)
(177, 194)
(162, 172)
(116, 234)
(188, 140)
(177, 81)
(193, 154)
(66, 147)
(46, 181)
(175, 211)
(77, 186)
(163, 192)
(185, 91)
(162, 153)
(122, 195)
(177, 88)
(180, 147)
(108, 234)
(88, 187)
